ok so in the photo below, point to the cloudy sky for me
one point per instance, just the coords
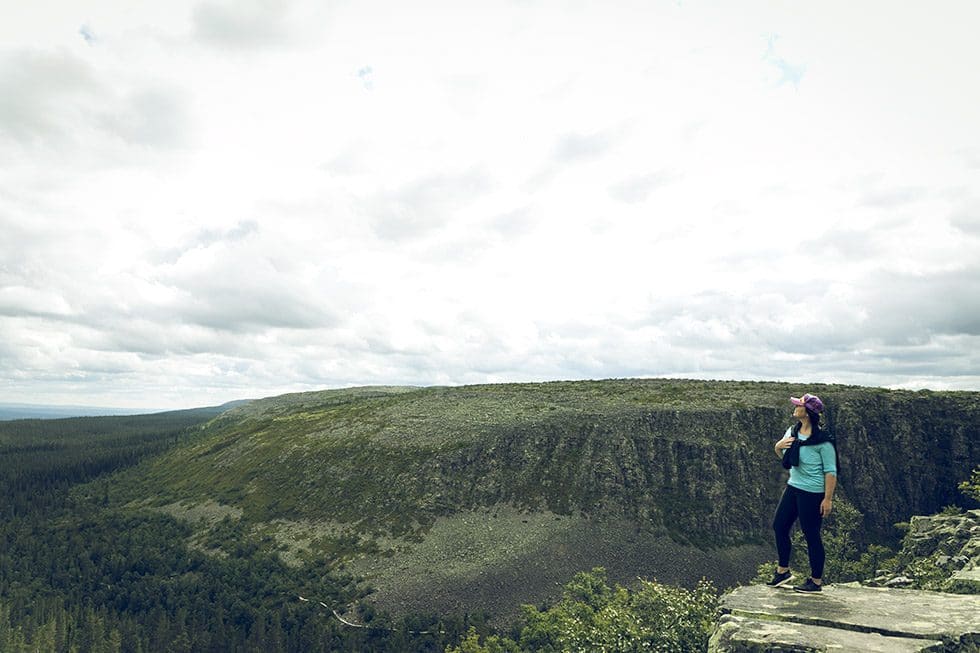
(213, 199)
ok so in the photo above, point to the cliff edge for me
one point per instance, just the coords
(846, 618)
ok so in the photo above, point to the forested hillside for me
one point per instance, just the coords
(77, 575)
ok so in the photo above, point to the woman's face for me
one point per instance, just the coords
(799, 412)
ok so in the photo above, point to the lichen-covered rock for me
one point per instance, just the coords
(939, 552)
(946, 533)
(965, 581)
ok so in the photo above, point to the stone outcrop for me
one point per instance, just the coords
(939, 552)
(846, 618)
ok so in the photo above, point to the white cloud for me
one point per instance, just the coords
(423, 205)
(47, 94)
(212, 200)
(23, 300)
(637, 189)
(249, 25)
(966, 217)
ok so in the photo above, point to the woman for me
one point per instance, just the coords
(811, 458)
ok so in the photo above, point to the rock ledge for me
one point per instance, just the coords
(845, 618)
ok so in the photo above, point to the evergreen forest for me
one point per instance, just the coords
(79, 575)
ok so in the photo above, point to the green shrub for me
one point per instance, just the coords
(591, 616)
(926, 574)
(971, 486)
(493, 644)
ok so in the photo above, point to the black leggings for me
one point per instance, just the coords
(805, 505)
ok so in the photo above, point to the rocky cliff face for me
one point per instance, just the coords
(703, 474)
(713, 475)
(903, 453)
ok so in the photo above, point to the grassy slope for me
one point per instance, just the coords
(307, 455)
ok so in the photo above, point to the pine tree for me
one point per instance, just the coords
(257, 635)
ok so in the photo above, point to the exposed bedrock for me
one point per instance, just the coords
(846, 618)
(713, 476)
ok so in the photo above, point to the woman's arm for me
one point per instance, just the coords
(830, 485)
(829, 459)
(828, 495)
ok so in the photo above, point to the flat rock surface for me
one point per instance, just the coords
(970, 575)
(750, 635)
(915, 613)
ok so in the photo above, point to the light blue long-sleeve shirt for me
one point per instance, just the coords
(815, 461)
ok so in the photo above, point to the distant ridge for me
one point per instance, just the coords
(42, 411)
(11, 411)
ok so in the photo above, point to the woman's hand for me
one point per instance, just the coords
(825, 507)
(785, 443)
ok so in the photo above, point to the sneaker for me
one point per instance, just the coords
(808, 586)
(781, 578)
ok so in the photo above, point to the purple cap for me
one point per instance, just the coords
(809, 401)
